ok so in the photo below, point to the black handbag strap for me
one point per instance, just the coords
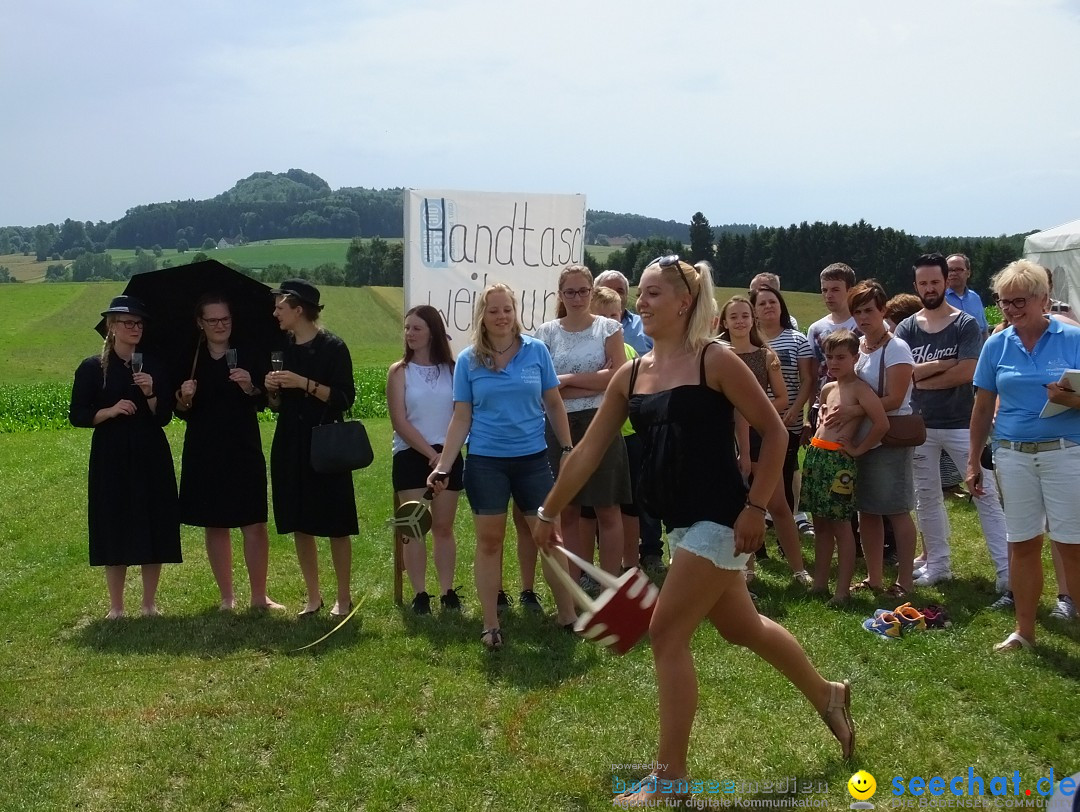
(881, 370)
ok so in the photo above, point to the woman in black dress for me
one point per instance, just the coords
(315, 386)
(131, 494)
(223, 474)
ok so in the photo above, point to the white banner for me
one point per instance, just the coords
(458, 243)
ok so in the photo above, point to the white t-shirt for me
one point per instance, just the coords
(582, 351)
(868, 367)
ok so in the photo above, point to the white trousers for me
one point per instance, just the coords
(930, 502)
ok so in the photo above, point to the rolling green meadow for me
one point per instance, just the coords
(205, 710)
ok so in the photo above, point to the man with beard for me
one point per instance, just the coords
(945, 344)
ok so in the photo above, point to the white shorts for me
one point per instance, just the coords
(712, 541)
(1039, 491)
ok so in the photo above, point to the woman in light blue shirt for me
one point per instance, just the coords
(1037, 458)
(504, 384)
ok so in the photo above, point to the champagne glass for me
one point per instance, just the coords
(230, 358)
(277, 360)
(136, 362)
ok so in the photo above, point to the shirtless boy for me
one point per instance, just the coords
(829, 468)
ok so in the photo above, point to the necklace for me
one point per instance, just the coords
(507, 349)
(884, 337)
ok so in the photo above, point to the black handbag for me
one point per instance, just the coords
(340, 446)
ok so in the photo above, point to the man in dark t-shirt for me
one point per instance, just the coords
(945, 344)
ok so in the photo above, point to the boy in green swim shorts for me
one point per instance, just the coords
(829, 468)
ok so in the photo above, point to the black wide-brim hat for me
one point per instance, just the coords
(300, 289)
(128, 305)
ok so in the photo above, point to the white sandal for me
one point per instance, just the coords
(1012, 642)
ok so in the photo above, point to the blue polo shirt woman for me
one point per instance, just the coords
(504, 384)
(1037, 457)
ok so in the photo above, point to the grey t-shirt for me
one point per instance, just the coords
(960, 340)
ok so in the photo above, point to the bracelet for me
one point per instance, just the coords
(543, 516)
(750, 504)
(566, 449)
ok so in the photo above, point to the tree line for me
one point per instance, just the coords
(799, 252)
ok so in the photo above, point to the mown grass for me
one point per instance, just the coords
(204, 710)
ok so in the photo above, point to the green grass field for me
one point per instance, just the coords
(202, 710)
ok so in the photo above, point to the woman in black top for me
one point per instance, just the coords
(315, 386)
(681, 398)
(131, 499)
(223, 473)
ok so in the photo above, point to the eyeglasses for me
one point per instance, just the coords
(226, 320)
(673, 260)
(131, 324)
(580, 293)
(1016, 304)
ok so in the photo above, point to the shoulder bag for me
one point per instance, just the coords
(904, 429)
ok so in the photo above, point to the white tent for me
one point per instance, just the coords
(1059, 250)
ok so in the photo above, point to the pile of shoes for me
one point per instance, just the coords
(892, 625)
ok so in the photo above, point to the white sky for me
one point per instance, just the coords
(949, 117)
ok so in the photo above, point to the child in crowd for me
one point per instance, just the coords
(829, 467)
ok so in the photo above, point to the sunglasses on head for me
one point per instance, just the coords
(672, 260)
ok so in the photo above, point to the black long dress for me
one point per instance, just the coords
(306, 501)
(223, 470)
(131, 495)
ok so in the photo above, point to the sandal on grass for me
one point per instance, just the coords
(865, 586)
(492, 639)
(1013, 642)
(896, 591)
(837, 716)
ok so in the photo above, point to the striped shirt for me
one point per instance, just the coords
(791, 347)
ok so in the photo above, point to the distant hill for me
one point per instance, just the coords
(273, 206)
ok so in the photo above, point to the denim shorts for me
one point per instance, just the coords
(491, 481)
(713, 542)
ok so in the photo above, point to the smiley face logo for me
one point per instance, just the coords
(862, 785)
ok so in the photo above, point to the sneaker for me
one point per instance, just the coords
(653, 564)
(918, 572)
(931, 578)
(936, 617)
(886, 625)
(529, 600)
(802, 578)
(421, 604)
(1004, 602)
(590, 585)
(911, 619)
(805, 527)
(1065, 609)
(450, 601)
(503, 602)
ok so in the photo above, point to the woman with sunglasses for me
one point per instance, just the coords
(131, 500)
(681, 398)
(586, 351)
(1036, 457)
(223, 470)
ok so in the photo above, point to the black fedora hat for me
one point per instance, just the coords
(300, 289)
(126, 304)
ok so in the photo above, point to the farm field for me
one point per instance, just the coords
(200, 709)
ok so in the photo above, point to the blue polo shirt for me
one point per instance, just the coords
(507, 404)
(634, 334)
(970, 303)
(1017, 377)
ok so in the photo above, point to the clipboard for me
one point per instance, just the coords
(1070, 377)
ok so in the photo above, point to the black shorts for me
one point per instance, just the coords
(411, 470)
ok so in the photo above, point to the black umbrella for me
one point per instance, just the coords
(170, 296)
